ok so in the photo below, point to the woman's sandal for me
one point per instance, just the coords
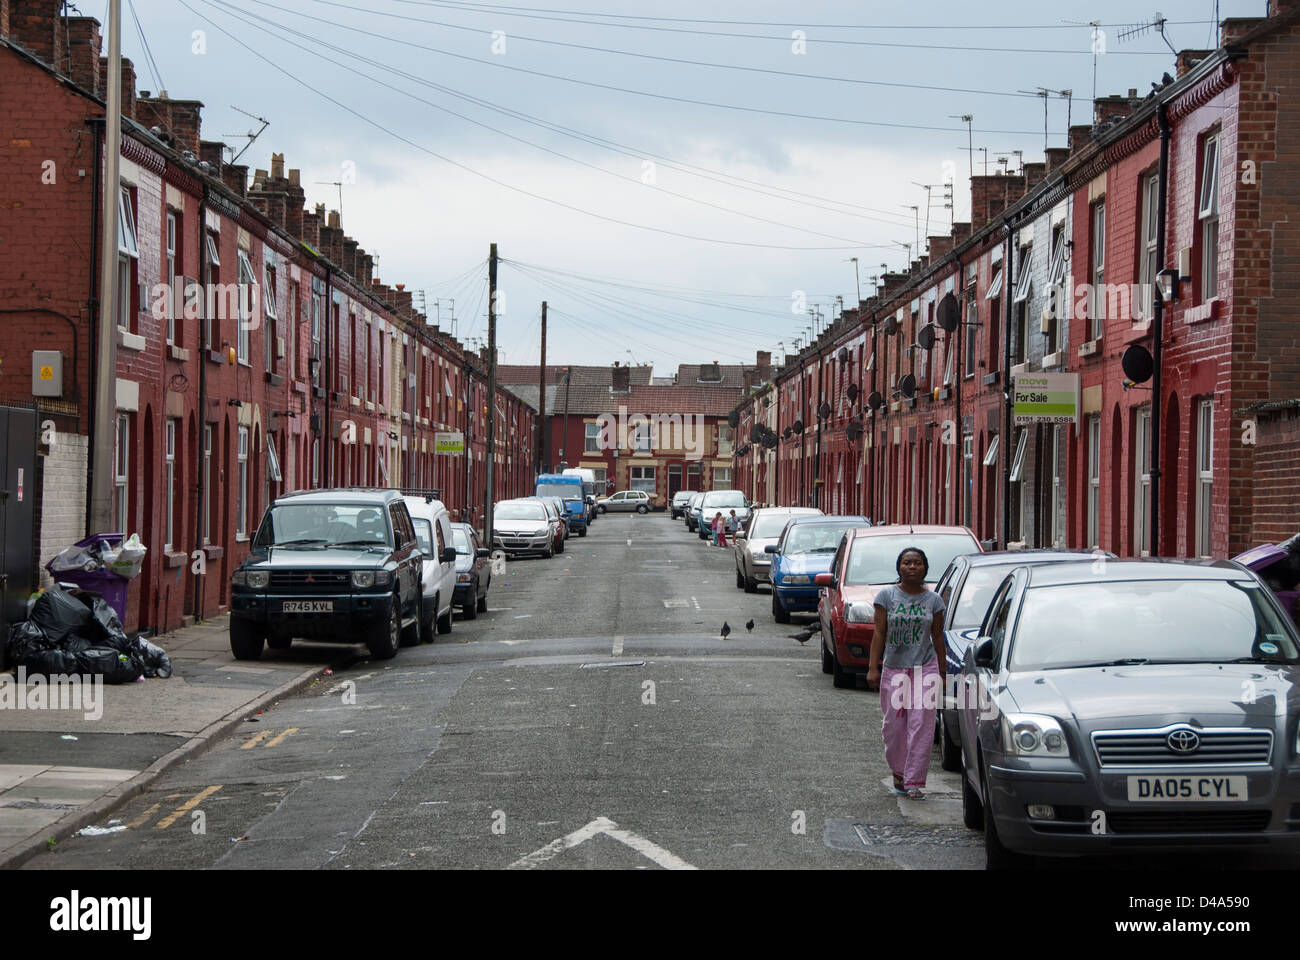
(915, 793)
(898, 787)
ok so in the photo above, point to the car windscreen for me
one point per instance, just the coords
(424, 535)
(977, 593)
(1156, 621)
(565, 491)
(682, 496)
(520, 511)
(320, 525)
(873, 558)
(460, 540)
(769, 525)
(816, 537)
(724, 498)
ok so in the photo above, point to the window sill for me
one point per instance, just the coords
(178, 353)
(173, 560)
(1202, 313)
(1090, 348)
(1056, 359)
(991, 379)
(1019, 368)
(370, 406)
(130, 341)
(353, 401)
(244, 363)
(213, 551)
(241, 538)
(318, 393)
(274, 379)
(216, 356)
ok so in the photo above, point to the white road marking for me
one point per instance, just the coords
(696, 602)
(676, 602)
(522, 616)
(618, 647)
(649, 850)
(629, 541)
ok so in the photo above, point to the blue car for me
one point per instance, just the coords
(806, 548)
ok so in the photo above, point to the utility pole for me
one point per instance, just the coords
(543, 450)
(491, 391)
(857, 275)
(105, 421)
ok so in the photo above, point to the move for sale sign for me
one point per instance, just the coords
(1045, 398)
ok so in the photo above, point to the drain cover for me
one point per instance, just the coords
(885, 835)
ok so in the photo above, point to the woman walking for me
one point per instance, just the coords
(909, 664)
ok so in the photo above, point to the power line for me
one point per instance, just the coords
(658, 96)
(477, 173)
(663, 59)
(152, 63)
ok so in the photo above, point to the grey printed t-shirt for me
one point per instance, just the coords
(907, 641)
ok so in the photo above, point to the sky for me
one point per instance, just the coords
(681, 182)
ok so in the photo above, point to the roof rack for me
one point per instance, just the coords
(429, 493)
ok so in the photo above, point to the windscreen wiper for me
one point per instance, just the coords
(294, 543)
(360, 543)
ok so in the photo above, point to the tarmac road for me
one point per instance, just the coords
(592, 718)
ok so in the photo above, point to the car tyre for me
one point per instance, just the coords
(560, 548)
(779, 613)
(444, 622)
(385, 636)
(841, 678)
(550, 551)
(949, 752)
(642, 509)
(828, 661)
(600, 509)
(751, 585)
(481, 604)
(740, 579)
(411, 635)
(469, 609)
(582, 532)
(245, 640)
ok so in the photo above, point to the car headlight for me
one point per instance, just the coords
(797, 578)
(462, 578)
(365, 579)
(255, 579)
(860, 613)
(1033, 735)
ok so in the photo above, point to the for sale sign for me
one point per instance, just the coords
(1045, 398)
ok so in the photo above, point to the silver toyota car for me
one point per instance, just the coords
(764, 527)
(1123, 705)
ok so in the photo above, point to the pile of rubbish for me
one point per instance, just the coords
(77, 632)
(100, 553)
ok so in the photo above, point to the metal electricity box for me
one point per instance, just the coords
(47, 373)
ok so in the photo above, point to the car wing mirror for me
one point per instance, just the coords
(824, 580)
(770, 548)
(448, 555)
(482, 552)
(983, 655)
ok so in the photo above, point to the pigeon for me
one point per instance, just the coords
(726, 629)
(749, 627)
(802, 637)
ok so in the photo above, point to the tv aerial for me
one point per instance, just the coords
(250, 135)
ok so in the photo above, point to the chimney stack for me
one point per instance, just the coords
(35, 25)
(83, 52)
(620, 380)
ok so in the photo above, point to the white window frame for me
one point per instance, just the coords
(1144, 309)
(246, 279)
(638, 478)
(967, 477)
(269, 293)
(991, 454)
(1204, 477)
(641, 439)
(364, 358)
(1142, 481)
(171, 277)
(315, 463)
(128, 242)
(241, 484)
(1207, 212)
(721, 478)
(995, 288)
(291, 328)
(125, 285)
(951, 353)
(1054, 522)
(1025, 276)
(169, 471)
(1097, 309)
(122, 474)
(591, 438)
(1018, 461)
(210, 320)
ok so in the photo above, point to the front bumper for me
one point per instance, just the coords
(1270, 817)
(797, 598)
(853, 646)
(348, 613)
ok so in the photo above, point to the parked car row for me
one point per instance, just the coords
(1094, 704)
(358, 563)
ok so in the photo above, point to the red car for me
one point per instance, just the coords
(864, 563)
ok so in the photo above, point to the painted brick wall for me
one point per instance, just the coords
(64, 493)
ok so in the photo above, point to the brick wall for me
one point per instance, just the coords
(63, 490)
(1276, 513)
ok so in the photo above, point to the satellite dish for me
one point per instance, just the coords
(788, 432)
(852, 393)
(733, 418)
(925, 337)
(770, 441)
(853, 430)
(1137, 363)
(907, 386)
(875, 401)
(755, 433)
(797, 426)
(824, 411)
(843, 354)
(891, 326)
(948, 313)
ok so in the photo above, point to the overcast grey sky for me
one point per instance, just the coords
(596, 169)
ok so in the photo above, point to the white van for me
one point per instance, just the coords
(433, 532)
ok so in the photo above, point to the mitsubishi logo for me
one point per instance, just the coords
(1183, 741)
(309, 579)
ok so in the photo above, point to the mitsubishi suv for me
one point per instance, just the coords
(332, 565)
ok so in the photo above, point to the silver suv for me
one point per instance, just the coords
(720, 501)
(753, 564)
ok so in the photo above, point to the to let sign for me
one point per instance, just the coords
(449, 442)
(1045, 398)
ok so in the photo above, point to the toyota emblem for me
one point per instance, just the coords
(1183, 741)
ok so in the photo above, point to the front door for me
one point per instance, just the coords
(674, 479)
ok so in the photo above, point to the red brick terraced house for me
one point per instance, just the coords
(321, 375)
(891, 414)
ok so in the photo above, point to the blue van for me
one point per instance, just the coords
(570, 489)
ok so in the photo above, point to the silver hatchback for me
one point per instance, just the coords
(753, 564)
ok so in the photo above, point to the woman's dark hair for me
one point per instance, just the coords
(898, 564)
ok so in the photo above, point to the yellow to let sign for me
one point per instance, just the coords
(449, 442)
